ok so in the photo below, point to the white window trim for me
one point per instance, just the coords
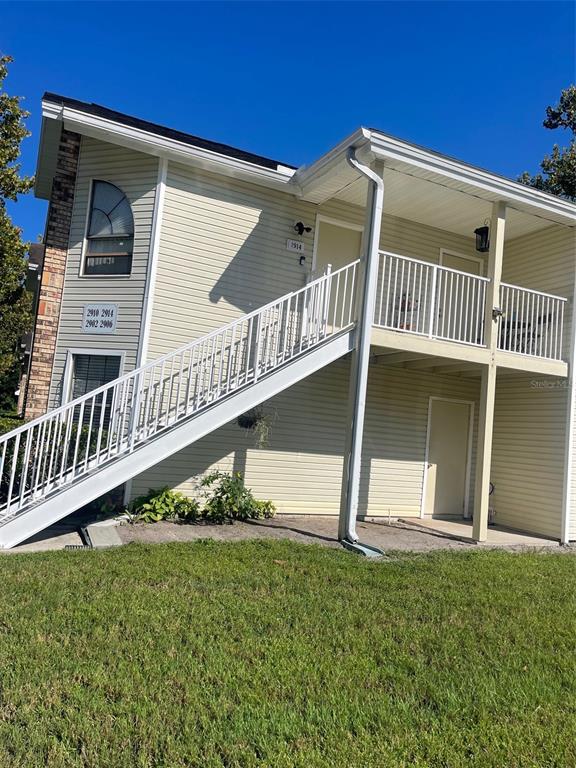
(82, 266)
(472, 405)
(68, 368)
(449, 252)
(322, 219)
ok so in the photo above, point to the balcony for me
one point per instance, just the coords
(443, 304)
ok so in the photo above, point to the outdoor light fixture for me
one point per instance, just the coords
(300, 227)
(483, 238)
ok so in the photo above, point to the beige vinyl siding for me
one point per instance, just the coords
(223, 251)
(528, 453)
(136, 175)
(544, 261)
(572, 486)
(301, 468)
(531, 412)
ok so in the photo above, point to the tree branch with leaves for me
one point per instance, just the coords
(559, 168)
(15, 302)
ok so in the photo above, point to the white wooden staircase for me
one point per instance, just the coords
(59, 462)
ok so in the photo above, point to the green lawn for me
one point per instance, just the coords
(276, 654)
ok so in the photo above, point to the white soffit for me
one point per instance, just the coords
(425, 186)
(436, 205)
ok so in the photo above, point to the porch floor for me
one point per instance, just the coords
(498, 536)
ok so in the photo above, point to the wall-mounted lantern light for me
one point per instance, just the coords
(483, 238)
(300, 228)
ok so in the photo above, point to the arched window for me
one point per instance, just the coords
(110, 232)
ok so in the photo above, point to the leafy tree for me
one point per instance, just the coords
(15, 313)
(558, 169)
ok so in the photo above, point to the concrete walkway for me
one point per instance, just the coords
(498, 536)
(410, 535)
(310, 529)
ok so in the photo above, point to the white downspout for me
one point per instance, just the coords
(360, 359)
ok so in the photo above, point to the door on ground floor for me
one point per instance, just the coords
(447, 469)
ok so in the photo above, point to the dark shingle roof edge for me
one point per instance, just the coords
(162, 130)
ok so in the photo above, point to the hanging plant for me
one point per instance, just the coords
(258, 422)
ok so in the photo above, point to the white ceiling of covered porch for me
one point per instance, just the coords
(437, 205)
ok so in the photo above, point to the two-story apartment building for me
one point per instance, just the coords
(401, 320)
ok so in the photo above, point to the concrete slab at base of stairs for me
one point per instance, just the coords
(102, 535)
(59, 536)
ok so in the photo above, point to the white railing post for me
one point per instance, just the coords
(257, 348)
(135, 410)
(327, 286)
(432, 318)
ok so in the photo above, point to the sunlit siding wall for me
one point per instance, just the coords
(528, 453)
(531, 411)
(301, 468)
(544, 261)
(136, 174)
(223, 251)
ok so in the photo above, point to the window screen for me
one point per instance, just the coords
(92, 371)
(88, 373)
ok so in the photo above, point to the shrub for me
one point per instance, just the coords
(228, 499)
(164, 504)
(8, 423)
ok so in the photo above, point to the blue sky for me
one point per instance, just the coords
(289, 80)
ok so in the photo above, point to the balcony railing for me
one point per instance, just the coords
(532, 323)
(418, 297)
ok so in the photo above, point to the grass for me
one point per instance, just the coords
(276, 654)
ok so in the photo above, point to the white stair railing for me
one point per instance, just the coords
(418, 297)
(532, 323)
(68, 443)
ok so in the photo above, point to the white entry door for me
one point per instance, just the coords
(335, 244)
(448, 458)
(338, 245)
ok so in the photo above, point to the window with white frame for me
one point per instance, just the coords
(87, 373)
(110, 234)
(92, 371)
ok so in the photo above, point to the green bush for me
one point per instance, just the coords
(164, 504)
(8, 423)
(228, 499)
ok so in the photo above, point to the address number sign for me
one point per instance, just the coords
(99, 318)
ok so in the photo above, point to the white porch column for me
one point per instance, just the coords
(488, 388)
(365, 306)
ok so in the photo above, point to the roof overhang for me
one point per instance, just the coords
(57, 115)
(331, 175)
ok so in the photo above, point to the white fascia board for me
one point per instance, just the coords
(161, 146)
(46, 160)
(309, 175)
(388, 148)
